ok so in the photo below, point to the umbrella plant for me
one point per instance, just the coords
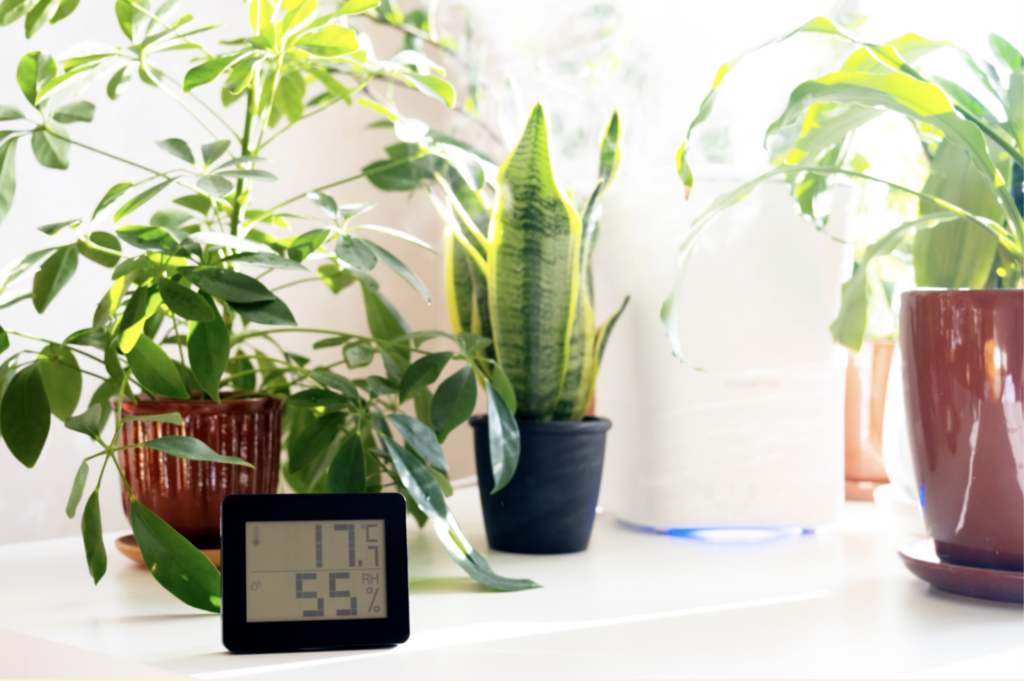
(969, 232)
(518, 273)
(186, 314)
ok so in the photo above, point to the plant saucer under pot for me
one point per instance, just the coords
(548, 507)
(187, 494)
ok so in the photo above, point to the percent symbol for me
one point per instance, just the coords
(373, 608)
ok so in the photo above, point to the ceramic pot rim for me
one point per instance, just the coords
(961, 292)
(166, 405)
(589, 424)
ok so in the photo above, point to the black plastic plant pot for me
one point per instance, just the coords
(549, 505)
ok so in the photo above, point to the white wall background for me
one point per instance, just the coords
(654, 61)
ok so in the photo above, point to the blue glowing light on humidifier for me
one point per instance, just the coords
(738, 535)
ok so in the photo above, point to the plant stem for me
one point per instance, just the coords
(387, 166)
(293, 283)
(240, 186)
(108, 155)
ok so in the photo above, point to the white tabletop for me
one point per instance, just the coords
(837, 603)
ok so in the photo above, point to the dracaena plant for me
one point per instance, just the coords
(187, 314)
(969, 231)
(518, 273)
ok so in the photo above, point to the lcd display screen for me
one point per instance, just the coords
(316, 569)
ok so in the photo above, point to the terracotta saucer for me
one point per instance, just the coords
(994, 585)
(130, 548)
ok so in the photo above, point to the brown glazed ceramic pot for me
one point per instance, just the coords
(962, 357)
(187, 494)
(867, 376)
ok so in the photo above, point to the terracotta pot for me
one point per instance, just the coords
(187, 494)
(962, 358)
(867, 376)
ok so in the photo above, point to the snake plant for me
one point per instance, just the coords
(517, 273)
(969, 232)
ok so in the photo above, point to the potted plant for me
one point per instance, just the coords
(962, 345)
(517, 262)
(216, 398)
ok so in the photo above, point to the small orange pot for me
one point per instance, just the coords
(867, 375)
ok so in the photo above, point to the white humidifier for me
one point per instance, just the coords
(755, 439)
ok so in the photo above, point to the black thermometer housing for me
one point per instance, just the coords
(313, 571)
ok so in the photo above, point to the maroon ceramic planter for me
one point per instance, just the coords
(962, 358)
(187, 494)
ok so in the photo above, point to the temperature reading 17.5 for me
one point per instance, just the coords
(309, 570)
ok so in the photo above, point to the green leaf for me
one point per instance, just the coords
(209, 348)
(611, 152)
(240, 365)
(503, 437)
(504, 387)
(956, 254)
(144, 303)
(206, 72)
(266, 260)
(306, 244)
(9, 112)
(5, 342)
(155, 370)
(233, 287)
(51, 148)
(317, 397)
(433, 87)
(347, 474)
(53, 275)
(112, 195)
(355, 252)
(214, 150)
(105, 240)
(179, 566)
(422, 372)
(173, 418)
(272, 312)
(177, 147)
(325, 203)
(314, 440)
(384, 321)
(75, 112)
(101, 398)
(335, 278)
(64, 10)
(358, 354)
(141, 198)
(87, 423)
(533, 273)
(400, 269)
(35, 70)
(92, 534)
(849, 326)
(7, 176)
(1006, 52)
(151, 238)
(421, 439)
(417, 479)
(330, 379)
(192, 449)
(184, 302)
(454, 402)
(76, 489)
(25, 415)
(330, 41)
(12, 10)
(118, 83)
(248, 173)
(62, 379)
